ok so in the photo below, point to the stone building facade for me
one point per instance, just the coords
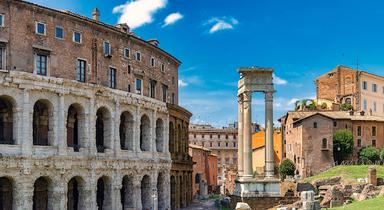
(363, 90)
(308, 137)
(182, 164)
(204, 178)
(84, 121)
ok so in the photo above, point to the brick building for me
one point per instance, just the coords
(308, 136)
(363, 90)
(204, 171)
(84, 120)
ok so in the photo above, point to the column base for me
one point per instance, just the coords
(251, 187)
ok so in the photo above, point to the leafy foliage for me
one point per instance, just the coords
(287, 168)
(346, 107)
(382, 155)
(343, 144)
(324, 106)
(369, 154)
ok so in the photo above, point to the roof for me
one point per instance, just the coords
(89, 20)
(199, 147)
(350, 68)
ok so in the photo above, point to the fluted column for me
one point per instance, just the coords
(247, 135)
(269, 151)
(240, 131)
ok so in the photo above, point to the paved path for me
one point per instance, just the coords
(202, 205)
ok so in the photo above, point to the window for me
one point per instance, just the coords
(40, 28)
(202, 143)
(194, 135)
(112, 78)
(138, 56)
(226, 160)
(173, 80)
(2, 58)
(138, 86)
(374, 106)
(210, 144)
(152, 89)
(373, 143)
(153, 62)
(234, 144)
(234, 136)
(77, 37)
(129, 69)
(373, 130)
(324, 144)
(107, 48)
(129, 87)
(334, 123)
(315, 125)
(202, 136)
(218, 144)
(374, 88)
(358, 142)
(226, 136)
(210, 136)
(80, 70)
(2, 20)
(365, 85)
(173, 98)
(162, 67)
(218, 136)
(226, 144)
(59, 32)
(41, 64)
(365, 104)
(165, 90)
(126, 53)
(359, 130)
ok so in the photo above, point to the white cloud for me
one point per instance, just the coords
(222, 23)
(182, 83)
(279, 81)
(139, 12)
(172, 18)
(292, 101)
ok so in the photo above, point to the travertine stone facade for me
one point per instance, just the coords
(84, 121)
(182, 164)
(308, 137)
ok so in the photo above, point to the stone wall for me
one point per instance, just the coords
(262, 203)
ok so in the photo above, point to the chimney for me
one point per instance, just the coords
(96, 14)
(154, 42)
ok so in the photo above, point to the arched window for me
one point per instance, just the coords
(75, 123)
(6, 197)
(173, 192)
(324, 143)
(159, 135)
(146, 195)
(160, 192)
(126, 131)
(171, 138)
(127, 193)
(6, 120)
(145, 133)
(104, 193)
(103, 129)
(42, 122)
(41, 198)
(76, 194)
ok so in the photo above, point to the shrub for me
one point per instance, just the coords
(287, 168)
(382, 155)
(346, 107)
(369, 154)
(342, 144)
(324, 106)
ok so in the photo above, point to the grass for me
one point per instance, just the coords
(371, 204)
(348, 173)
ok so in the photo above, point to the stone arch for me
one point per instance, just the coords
(161, 205)
(159, 135)
(75, 126)
(7, 119)
(146, 195)
(126, 131)
(104, 193)
(42, 194)
(76, 195)
(42, 123)
(103, 129)
(171, 138)
(6, 193)
(173, 192)
(126, 193)
(145, 133)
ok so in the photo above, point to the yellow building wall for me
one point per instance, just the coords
(258, 150)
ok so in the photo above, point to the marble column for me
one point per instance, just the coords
(247, 135)
(269, 151)
(240, 162)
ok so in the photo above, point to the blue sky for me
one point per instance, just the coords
(300, 39)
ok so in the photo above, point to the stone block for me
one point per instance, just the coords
(242, 206)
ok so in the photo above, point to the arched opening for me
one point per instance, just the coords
(104, 194)
(160, 192)
(75, 122)
(159, 135)
(324, 143)
(75, 194)
(173, 193)
(145, 133)
(41, 198)
(179, 139)
(103, 129)
(6, 197)
(171, 138)
(42, 122)
(6, 120)
(181, 194)
(146, 196)
(126, 193)
(126, 131)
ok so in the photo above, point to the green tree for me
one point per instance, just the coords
(287, 168)
(382, 154)
(342, 144)
(369, 154)
(346, 107)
